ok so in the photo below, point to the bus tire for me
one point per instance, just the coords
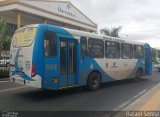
(159, 69)
(138, 75)
(94, 81)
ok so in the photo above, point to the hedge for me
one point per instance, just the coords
(4, 73)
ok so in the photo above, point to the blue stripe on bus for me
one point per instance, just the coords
(83, 69)
(18, 70)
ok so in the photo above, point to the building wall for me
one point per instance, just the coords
(24, 12)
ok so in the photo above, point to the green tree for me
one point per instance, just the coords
(114, 32)
(6, 32)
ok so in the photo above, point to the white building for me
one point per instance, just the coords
(60, 13)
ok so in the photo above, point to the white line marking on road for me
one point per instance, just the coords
(12, 89)
(129, 101)
(142, 92)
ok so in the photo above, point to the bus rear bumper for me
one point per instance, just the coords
(36, 83)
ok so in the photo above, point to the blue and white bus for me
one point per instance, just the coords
(51, 57)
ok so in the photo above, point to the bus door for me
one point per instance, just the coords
(146, 59)
(68, 64)
(148, 62)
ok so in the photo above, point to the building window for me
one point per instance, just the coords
(50, 48)
(112, 49)
(83, 45)
(96, 48)
(138, 51)
(126, 51)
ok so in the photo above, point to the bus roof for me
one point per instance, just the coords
(87, 34)
(100, 36)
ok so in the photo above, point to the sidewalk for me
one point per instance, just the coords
(150, 101)
(147, 105)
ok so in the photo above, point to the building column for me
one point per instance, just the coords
(64, 25)
(19, 20)
(45, 21)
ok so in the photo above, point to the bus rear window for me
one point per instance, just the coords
(24, 37)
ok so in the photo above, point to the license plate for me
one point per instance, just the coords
(20, 81)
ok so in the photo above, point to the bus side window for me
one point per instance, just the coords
(96, 48)
(83, 45)
(50, 44)
(112, 50)
(138, 51)
(126, 51)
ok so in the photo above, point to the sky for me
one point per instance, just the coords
(140, 19)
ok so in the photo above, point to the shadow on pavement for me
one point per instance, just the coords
(41, 94)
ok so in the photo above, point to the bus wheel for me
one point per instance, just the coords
(94, 81)
(138, 75)
(159, 69)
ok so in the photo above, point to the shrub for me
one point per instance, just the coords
(4, 73)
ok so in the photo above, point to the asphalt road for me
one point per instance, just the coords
(111, 96)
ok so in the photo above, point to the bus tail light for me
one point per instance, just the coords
(33, 73)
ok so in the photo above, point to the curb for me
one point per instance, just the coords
(4, 79)
(135, 105)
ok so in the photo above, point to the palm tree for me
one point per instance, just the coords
(114, 32)
(6, 32)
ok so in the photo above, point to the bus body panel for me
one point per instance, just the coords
(37, 59)
(49, 72)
